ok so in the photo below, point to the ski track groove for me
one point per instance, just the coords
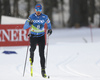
(64, 66)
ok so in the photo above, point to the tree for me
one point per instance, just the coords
(28, 7)
(62, 10)
(34, 2)
(0, 11)
(6, 8)
(91, 10)
(78, 13)
(84, 13)
(15, 9)
(48, 8)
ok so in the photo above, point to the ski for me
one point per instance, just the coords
(31, 71)
(31, 68)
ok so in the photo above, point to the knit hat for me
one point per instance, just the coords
(38, 6)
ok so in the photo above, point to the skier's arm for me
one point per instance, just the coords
(48, 23)
(49, 27)
(29, 22)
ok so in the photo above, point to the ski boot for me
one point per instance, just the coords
(44, 73)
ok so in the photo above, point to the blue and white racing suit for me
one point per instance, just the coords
(38, 24)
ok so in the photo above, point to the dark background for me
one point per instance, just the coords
(80, 12)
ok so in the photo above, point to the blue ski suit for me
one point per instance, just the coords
(38, 24)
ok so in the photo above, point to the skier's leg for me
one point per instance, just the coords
(41, 44)
(32, 49)
(33, 44)
(41, 53)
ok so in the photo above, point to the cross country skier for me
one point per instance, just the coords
(37, 21)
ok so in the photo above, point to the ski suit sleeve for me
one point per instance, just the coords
(27, 23)
(48, 23)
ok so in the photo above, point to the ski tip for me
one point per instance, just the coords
(48, 77)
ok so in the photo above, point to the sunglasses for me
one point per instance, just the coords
(38, 10)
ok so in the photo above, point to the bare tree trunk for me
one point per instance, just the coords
(15, 11)
(6, 8)
(84, 12)
(0, 11)
(48, 8)
(35, 2)
(91, 10)
(74, 13)
(78, 13)
(28, 8)
(99, 15)
(62, 10)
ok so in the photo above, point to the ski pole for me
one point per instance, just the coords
(27, 52)
(26, 57)
(25, 60)
(47, 48)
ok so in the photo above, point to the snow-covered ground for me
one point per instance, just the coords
(71, 56)
(11, 20)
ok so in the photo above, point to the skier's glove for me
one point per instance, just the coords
(49, 31)
(30, 22)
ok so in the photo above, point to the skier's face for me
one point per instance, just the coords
(38, 12)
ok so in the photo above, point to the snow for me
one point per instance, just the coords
(12, 20)
(71, 56)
